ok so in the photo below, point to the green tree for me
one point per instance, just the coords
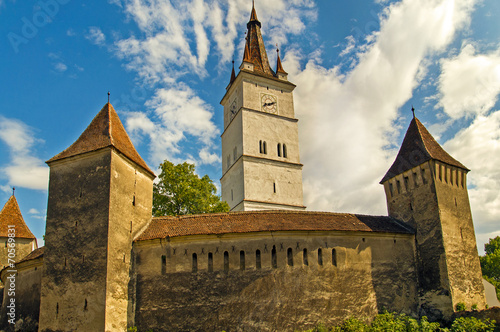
(490, 263)
(180, 191)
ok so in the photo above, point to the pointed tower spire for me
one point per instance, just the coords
(279, 67)
(233, 75)
(418, 147)
(105, 130)
(256, 53)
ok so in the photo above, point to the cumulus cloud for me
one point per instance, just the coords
(469, 83)
(347, 122)
(23, 169)
(178, 33)
(96, 36)
(177, 115)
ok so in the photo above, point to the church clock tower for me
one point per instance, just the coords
(261, 167)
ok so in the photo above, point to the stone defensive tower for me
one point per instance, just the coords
(100, 198)
(261, 167)
(12, 226)
(427, 189)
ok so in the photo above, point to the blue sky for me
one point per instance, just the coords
(359, 66)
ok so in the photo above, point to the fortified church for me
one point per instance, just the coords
(268, 265)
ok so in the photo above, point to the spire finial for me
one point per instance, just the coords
(413, 111)
(108, 96)
(13, 191)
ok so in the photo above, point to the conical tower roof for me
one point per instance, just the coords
(11, 216)
(418, 147)
(105, 130)
(256, 53)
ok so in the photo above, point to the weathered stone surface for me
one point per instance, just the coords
(360, 279)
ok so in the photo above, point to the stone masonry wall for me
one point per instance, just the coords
(214, 283)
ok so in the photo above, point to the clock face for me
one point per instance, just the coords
(269, 103)
(233, 110)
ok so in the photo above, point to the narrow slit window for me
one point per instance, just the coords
(415, 183)
(407, 183)
(242, 260)
(258, 263)
(264, 145)
(274, 187)
(284, 151)
(260, 147)
(304, 257)
(226, 261)
(163, 264)
(398, 186)
(391, 189)
(320, 257)
(195, 263)
(210, 262)
(334, 257)
(274, 259)
(279, 149)
(289, 255)
(424, 180)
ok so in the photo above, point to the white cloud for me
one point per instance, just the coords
(177, 34)
(478, 148)
(70, 32)
(177, 115)
(469, 83)
(347, 122)
(96, 36)
(23, 169)
(60, 67)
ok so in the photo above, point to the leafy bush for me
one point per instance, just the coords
(352, 325)
(460, 306)
(472, 324)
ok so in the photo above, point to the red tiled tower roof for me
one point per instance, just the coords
(11, 215)
(105, 130)
(418, 147)
(268, 221)
(233, 75)
(256, 49)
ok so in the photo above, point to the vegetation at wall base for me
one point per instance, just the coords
(490, 263)
(403, 323)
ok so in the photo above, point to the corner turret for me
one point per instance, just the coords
(426, 188)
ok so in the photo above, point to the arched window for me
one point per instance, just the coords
(320, 257)
(210, 262)
(260, 147)
(279, 149)
(289, 255)
(264, 146)
(242, 260)
(334, 257)
(195, 263)
(274, 259)
(304, 257)
(226, 261)
(284, 151)
(258, 263)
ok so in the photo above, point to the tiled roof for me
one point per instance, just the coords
(33, 255)
(256, 48)
(279, 67)
(268, 221)
(105, 130)
(418, 147)
(11, 215)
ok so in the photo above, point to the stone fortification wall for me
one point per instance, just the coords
(26, 293)
(272, 281)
